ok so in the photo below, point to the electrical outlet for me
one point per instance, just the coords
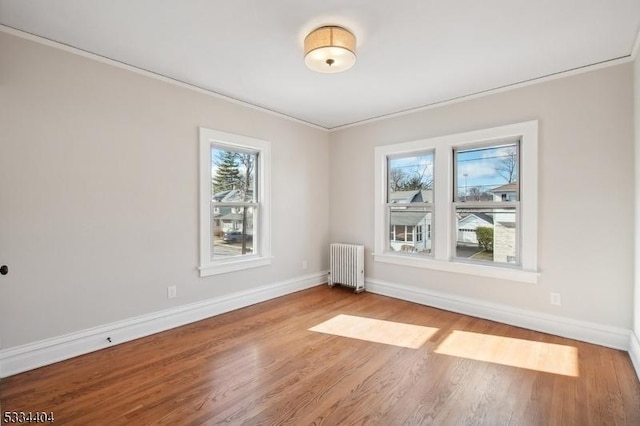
(556, 299)
(171, 292)
(304, 264)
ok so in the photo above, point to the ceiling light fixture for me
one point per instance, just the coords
(330, 49)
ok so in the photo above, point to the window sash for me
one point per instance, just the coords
(216, 204)
(479, 146)
(391, 158)
(255, 186)
(394, 230)
(485, 204)
(511, 205)
(253, 243)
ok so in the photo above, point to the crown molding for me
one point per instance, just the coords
(505, 88)
(105, 60)
(561, 74)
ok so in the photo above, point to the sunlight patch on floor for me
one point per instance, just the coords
(375, 330)
(539, 356)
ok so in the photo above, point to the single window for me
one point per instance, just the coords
(409, 194)
(234, 181)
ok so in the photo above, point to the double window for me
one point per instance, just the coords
(234, 202)
(462, 203)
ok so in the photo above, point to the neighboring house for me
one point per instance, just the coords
(413, 196)
(467, 225)
(226, 218)
(508, 192)
(504, 239)
(504, 232)
(503, 222)
(410, 230)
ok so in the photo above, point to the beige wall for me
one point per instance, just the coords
(586, 190)
(99, 193)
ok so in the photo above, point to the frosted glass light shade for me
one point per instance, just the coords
(330, 49)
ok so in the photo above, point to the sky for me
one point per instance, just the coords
(481, 166)
(414, 164)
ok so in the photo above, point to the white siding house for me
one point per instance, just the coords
(410, 230)
(227, 218)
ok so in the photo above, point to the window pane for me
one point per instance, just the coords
(410, 178)
(406, 225)
(233, 231)
(487, 174)
(233, 175)
(487, 234)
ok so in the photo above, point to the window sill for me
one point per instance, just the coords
(223, 267)
(505, 273)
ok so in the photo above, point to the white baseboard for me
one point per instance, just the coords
(33, 355)
(612, 337)
(634, 352)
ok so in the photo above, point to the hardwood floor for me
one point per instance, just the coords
(261, 365)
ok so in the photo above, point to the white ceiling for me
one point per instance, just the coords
(411, 53)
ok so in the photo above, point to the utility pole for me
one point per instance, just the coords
(466, 192)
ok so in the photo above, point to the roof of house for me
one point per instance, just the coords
(224, 195)
(231, 216)
(482, 216)
(407, 218)
(412, 196)
(230, 195)
(509, 187)
(402, 196)
(427, 195)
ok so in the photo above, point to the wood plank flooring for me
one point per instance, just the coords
(262, 366)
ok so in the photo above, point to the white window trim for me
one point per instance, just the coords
(263, 255)
(443, 218)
